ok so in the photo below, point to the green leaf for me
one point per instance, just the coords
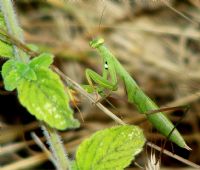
(25, 71)
(14, 71)
(10, 75)
(46, 99)
(73, 165)
(7, 67)
(12, 80)
(112, 148)
(6, 49)
(29, 74)
(43, 60)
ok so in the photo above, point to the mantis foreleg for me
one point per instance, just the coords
(103, 82)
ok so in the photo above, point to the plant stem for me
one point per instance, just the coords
(56, 147)
(13, 28)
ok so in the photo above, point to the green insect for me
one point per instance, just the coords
(111, 69)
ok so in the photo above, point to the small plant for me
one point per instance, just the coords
(35, 83)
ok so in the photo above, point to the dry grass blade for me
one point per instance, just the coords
(152, 163)
(26, 163)
(185, 161)
(43, 147)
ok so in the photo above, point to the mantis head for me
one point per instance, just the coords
(96, 42)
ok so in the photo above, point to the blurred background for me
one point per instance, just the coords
(158, 42)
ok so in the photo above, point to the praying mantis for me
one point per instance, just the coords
(111, 69)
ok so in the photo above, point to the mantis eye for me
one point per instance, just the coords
(106, 65)
(96, 42)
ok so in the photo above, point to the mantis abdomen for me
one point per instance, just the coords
(145, 104)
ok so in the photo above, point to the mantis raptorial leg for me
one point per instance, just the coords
(112, 68)
(102, 81)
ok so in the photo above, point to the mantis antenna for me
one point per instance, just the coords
(104, 8)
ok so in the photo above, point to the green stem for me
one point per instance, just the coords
(56, 147)
(13, 28)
